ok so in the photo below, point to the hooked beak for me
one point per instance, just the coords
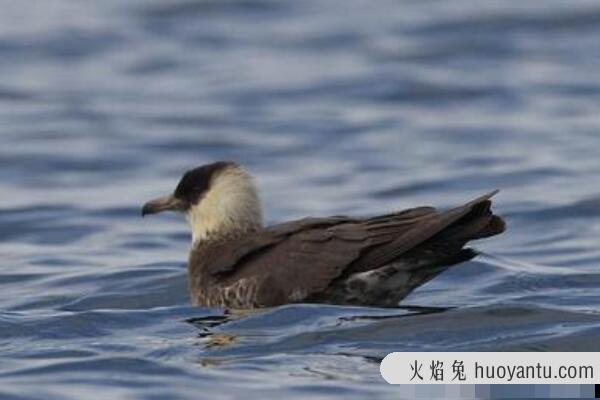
(165, 203)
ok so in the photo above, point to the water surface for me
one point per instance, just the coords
(347, 107)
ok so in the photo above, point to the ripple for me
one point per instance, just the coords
(46, 225)
(353, 110)
(509, 21)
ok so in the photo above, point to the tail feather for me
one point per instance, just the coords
(495, 227)
(479, 223)
(464, 254)
(448, 245)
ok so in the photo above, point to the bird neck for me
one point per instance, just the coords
(231, 208)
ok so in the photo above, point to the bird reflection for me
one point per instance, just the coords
(213, 339)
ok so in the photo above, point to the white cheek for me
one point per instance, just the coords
(230, 206)
(199, 223)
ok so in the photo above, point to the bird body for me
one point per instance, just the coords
(235, 262)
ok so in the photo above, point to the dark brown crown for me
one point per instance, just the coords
(196, 182)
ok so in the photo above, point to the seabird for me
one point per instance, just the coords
(236, 262)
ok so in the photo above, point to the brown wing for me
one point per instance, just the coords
(300, 258)
(256, 244)
(419, 229)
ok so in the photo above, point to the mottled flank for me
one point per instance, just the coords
(386, 286)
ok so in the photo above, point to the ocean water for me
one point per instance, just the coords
(339, 107)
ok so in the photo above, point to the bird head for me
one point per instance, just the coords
(217, 199)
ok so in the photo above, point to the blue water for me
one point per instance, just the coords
(353, 107)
